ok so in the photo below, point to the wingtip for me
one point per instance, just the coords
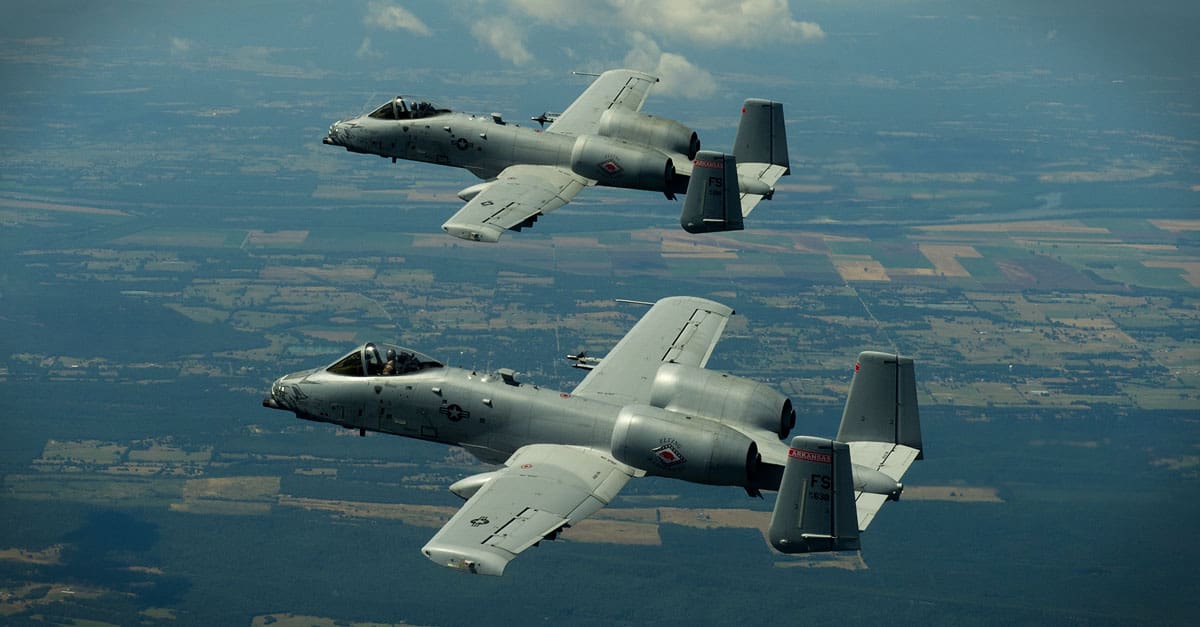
(699, 302)
(474, 232)
(475, 563)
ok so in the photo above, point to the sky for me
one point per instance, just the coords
(691, 44)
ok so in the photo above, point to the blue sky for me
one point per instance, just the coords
(694, 45)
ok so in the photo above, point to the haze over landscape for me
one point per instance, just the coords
(1006, 192)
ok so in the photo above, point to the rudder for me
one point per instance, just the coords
(815, 510)
(761, 135)
(712, 202)
(882, 404)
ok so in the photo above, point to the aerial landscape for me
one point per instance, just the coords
(1008, 194)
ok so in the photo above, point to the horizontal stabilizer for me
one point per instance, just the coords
(815, 510)
(757, 182)
(885, 463)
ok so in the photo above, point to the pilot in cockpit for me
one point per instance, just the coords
(400, 363)
(373, 363)
(399, 109)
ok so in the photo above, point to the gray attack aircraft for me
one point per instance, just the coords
(601, 139)
(647, 408)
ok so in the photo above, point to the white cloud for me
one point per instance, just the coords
(810, 31)
(748, 23)
(743, 24)
(179, 45)
(389, 16)
(505, 37)
(644, 53)
(680, 76)
(677, 75)
(562, 12)
(513, 26)
(365, 51)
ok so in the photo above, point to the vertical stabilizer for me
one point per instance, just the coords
(712, 202)
(815, 509)
(761, 136)
(761, 150)
(882, 405)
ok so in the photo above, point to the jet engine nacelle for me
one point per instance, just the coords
(694, 449)
(722, 397)
(645, 129)
(619, 163)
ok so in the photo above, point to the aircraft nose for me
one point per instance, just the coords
(334, 136)
(277, 399)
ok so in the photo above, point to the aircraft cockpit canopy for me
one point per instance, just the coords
(399, 108)
(382, 360)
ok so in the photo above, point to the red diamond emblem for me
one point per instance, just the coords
(668, 455)
(610, 166)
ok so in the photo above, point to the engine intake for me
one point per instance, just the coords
(694, 449)
(722, 397)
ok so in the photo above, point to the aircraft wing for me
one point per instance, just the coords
(542, 489)
(615, 88)
(890, 459)
(680, 329)
(514, 200)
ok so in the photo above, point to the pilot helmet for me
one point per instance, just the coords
(391, 354)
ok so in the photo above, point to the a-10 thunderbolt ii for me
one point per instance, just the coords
(601, 139)
(647, 408)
